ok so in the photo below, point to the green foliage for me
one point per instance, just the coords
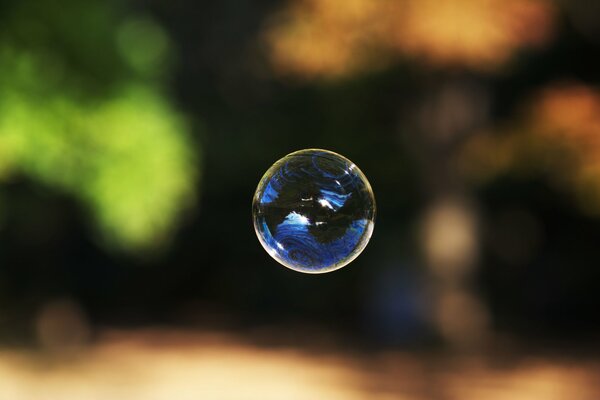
(81, 110)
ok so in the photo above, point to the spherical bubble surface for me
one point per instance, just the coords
(314, 211)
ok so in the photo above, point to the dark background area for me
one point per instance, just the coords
(536, 272)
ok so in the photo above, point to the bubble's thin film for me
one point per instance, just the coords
(314, 211)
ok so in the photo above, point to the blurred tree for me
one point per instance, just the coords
(321, 38)
(82, 110)
(556, 136)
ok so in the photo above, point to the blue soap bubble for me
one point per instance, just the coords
(314, 211)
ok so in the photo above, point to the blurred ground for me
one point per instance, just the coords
(162, 364)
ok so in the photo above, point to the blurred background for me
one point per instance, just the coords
(132, 137)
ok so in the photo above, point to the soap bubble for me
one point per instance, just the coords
(314, 211)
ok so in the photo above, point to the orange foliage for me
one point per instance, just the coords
(572, 113)
(472, 33)
(335, 38)
(559, 136)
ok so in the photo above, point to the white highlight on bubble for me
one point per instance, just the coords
(295, 218)
(325, 203)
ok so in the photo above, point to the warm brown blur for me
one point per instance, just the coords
(558, 135)
(159, 365)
